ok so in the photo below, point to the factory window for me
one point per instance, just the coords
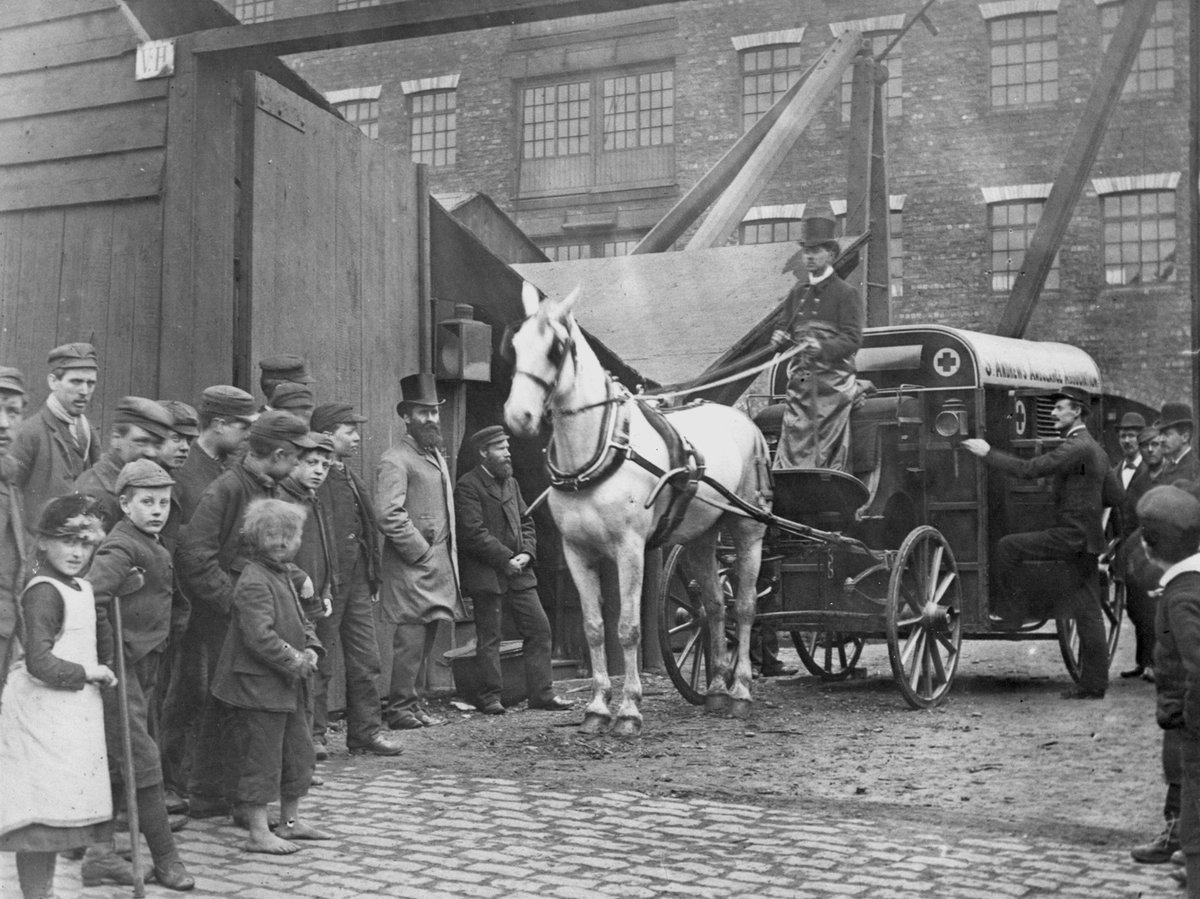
(767, 73)
(1024, 59)
(363, 113)
(770, 231)
(619, 247)
(1011, 225)
(355, 4)
(893, 90)
(1154, 66)
(896, 253)
(620, 243)
(635, 121)
(559, 252)
(1139, 237)
(433, 128)
(250, 11)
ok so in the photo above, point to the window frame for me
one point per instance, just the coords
(411, 100)
(1158, 29)
(789, 75)
(1120, 223)
(1006, 86)
(260, 11)
(1013, 268)
(894, 105)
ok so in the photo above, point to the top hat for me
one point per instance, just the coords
(418, 390)
(1131, 421)
(1175, 415)
(818, 232)
(1075, 394)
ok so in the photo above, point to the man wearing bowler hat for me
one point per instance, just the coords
(12, 528)
(1176, 426)
(54, 447)
(1078, 467)
(824, 316)
(497, 543)
(419, 584)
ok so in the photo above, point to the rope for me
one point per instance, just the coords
(736, 376)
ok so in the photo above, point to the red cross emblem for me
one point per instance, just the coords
(947, 362)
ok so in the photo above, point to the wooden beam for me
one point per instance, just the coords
(1076, 165)
(878, 267)
(395, 22)
(863, 98)
(744, 189)
(701, 195)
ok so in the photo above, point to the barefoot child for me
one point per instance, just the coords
(54, 792)
(269, 654)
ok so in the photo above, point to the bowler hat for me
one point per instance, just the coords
(328, 416)
(1075, 394)
(11, 380)
(292, 395)
(818, 231)
(417, 390)
(73, 355)
(226, 401)
(143, 473)
(187, 422)
(1169, 507)
(285, 367)
(146, 414)
(485, 437)
(279, 425)
(1175, 415)
(71, 515)
(1131, 421)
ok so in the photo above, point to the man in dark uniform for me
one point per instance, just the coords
(1133, 474)
(824, 316)
(1180, 464)
(12, 528)
(497, 543)
(1078, 467)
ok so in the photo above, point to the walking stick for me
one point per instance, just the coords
(131, 584)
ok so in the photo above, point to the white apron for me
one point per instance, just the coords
(52, 757)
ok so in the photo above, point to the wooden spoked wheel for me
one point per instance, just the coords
(829, 655)
(683, 629)
(1112, 603)
(924, 618)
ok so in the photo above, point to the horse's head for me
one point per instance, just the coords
(541, 345)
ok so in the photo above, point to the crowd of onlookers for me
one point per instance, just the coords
(168, 592)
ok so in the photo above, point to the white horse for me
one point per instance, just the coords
(598, 459)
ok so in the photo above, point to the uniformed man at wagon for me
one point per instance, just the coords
(824, 316)
(1078, 467)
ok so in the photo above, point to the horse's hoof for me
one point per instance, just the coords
(740, 708)
(627, 727)
(594, 724)
(716, 702)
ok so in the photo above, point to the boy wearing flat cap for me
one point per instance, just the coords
(132, 567)
(12, 526)
(294, 398)
(224, 416)
(1079, 467)
(280, 369)
(140, 426)
(53, 448)
(209, 560)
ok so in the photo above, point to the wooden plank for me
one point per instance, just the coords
(36, 293)
(15, 13)
(1076, 165)
(83, 86)
(394, 22)
(87, 260)
(99, 179)
(345, 275)
(111, 129)
(47, 44)
(746, 186)
(10, 274)
(143, 223)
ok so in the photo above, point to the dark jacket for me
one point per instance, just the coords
(347, 503)
(1177, 650)
(836, 303)
(1184, 473)
(100, 481)
(193, 477)
(492, 528)
(12, 557)
(314, 557)
(48, 460)
(260, 661)
(1078, 467)
(1137, 488)
(146, 612)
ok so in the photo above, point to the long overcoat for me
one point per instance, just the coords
(414, 508)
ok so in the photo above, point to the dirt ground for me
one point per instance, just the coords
(1005, 747)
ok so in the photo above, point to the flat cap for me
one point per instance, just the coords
(143, 473)
(279, 425)
(292, 395)
(285, 367)
(485, 437)
(146, 414)
(1169, 507)
(187, 422)
(71, 515)
(1075, 394)
(73, 355)
(328, 416)
(322, 441)
(226, 401)
(11, 380)
(1131, 421)
(1146, 434)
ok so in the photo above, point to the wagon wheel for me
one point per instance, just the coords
(1112, 603)
(924, 621)
(683, 629)
(829, 655)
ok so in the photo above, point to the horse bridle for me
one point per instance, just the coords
(562, 349)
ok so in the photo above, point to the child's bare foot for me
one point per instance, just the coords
(270, 844)
(298, 830)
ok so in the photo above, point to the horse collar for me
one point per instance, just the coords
(612, 447)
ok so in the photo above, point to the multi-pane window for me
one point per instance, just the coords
(364, 113)
(1024, 59)
(621, 247)
(770, 231)
(355, 4)
(433, 127)
(1154, 66)
(1139, 237)
(896, 253)
(556, 120)
(893, 89)
(250, 11)
(639, 110)
(1010, 228)
(767, 73)
(609, 244)
(563, 251)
